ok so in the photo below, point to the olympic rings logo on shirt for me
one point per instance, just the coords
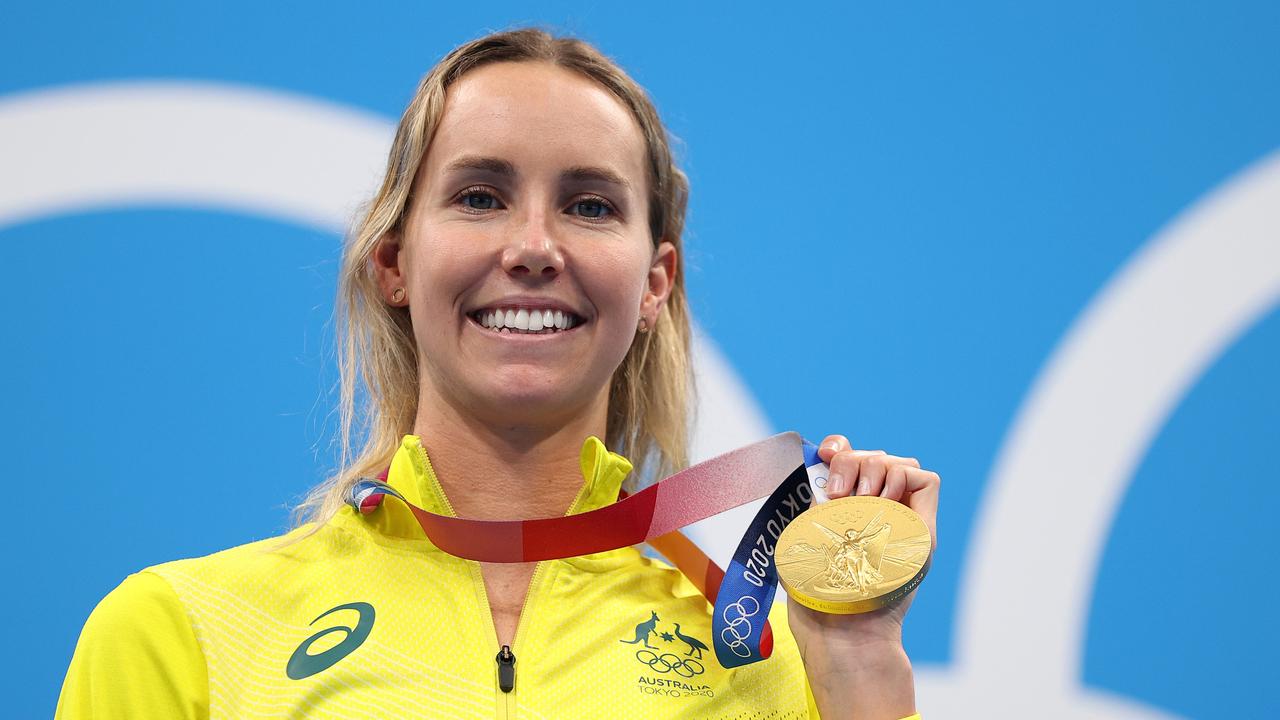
(670, 662)
(733, 635)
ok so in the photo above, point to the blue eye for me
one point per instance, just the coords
(478, 200)
(593, 208)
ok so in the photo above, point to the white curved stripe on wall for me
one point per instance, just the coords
(206, 145)
(727, 417)
(1104, 395)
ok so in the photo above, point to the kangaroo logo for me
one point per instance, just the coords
(643, 630)
(662, 661)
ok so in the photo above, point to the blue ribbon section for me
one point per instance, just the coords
(751, 580)
(817, 472)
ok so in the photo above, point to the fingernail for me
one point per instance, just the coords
(835, 483)
(832, 446)
(864, 486)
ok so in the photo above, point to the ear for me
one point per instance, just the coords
(388, 261)
(661, 280)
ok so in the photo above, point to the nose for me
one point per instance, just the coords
(532, 250)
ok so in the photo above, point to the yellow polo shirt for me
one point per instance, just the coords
(366, 618)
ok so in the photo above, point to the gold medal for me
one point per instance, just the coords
(853, 555)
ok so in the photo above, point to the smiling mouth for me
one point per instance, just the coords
(523, 321)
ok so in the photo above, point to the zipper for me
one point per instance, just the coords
(506, 669)
(506, 657)
(507, 709)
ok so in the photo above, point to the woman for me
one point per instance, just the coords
(513, 289)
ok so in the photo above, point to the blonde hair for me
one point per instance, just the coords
(650, 390)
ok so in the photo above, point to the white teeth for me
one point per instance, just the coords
(525, 320)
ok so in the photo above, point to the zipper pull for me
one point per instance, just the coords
(506, 669)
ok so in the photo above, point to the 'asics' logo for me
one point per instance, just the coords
(301, 665)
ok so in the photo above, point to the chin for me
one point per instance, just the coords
(525, 398)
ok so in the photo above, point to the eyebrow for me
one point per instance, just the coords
(498, 166)
(488, 164)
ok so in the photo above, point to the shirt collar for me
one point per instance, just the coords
(412, 476)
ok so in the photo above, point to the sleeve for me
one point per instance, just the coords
(137, 657)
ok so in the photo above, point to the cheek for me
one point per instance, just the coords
(443, 260)
(615, 284)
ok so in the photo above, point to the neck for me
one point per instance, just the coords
(494, 470)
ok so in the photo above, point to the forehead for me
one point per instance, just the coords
(537, 115)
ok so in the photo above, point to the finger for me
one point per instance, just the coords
(889, 459)
(844, 471)
(831, 445)
(871, 477)
(922, 490)
(853, 466)
(908, 461)
(895, 482)
(895, 479)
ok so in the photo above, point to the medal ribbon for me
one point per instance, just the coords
(741, 596)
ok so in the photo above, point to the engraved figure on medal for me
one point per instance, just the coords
(857, 563)
(854, 560)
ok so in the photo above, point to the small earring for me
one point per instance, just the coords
(397, 295)
(643, 327)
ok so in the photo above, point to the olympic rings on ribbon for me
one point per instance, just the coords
(684, 667)
(734, 637)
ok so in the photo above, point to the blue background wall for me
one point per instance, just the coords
(897, 211)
